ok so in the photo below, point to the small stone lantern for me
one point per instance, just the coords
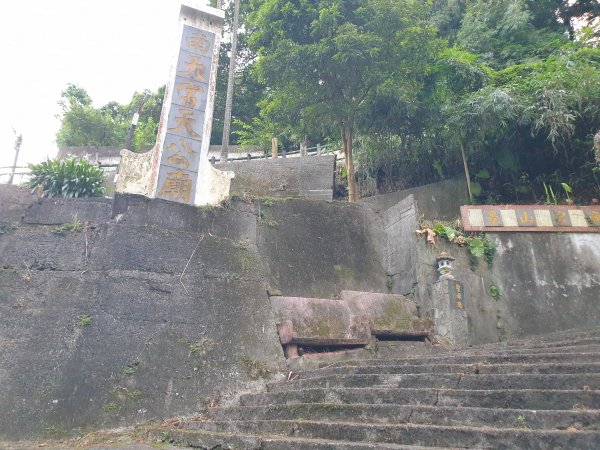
(444, 266)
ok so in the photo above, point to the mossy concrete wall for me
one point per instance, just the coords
(162, 308)
(546, 281)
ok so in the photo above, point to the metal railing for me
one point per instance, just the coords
(20, 174)
(310, 151)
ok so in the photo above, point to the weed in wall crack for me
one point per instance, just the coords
(266, 200)
(255, 369)
(83, 320)
(495, 292)
(75, 226)
(110, 408)
(131, 368)
(268, 221)
(201, 347)
(122, 393)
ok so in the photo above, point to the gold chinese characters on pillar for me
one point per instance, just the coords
(185, 123)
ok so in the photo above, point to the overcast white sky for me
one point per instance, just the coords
(111, 48)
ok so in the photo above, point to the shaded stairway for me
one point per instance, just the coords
(538, 393)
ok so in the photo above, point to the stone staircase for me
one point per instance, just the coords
(541, 393)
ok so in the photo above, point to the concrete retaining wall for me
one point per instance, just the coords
(547, 281)
(14, 202)
(161, 309)
(438, 200)
(307, 177)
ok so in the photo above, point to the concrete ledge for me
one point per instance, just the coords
(56, 211)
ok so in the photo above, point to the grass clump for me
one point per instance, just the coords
(83, 320)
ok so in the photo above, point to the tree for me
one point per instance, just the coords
(84, 125)
(248, 91)
(230, 82)
(331, 56)
(504, 33)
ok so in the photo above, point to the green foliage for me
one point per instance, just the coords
(406, 85)
(200, 347)
(69, 178)
(568, 191)
(445, 231)
(83, 321)
(495, 292)
(476, 247)
(131, 368)
(550, 196)
(72, 227)
(84, 125)
(326, 62)
(479, 245)
(489, 250)
(123, 394)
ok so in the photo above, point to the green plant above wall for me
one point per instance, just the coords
(69, 178)
(478, 244)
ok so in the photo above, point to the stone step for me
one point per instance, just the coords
(497, 398)
(410, 434)
(445, 381)
(557, 336)
(221, 440)
(541, 368)
(417, 414)
(496, 358)
(594, 348)
(589, 340)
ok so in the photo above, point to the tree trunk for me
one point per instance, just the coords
(230, 83)
(346, 130)
(467, 174)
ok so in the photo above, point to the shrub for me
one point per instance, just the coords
(68, 178)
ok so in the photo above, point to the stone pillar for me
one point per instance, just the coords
(178, 168)
(303, 149)
(449, 312)
(274, 148)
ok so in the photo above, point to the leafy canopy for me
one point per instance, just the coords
(84, 125)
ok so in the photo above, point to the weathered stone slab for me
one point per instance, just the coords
(304, 177)
(317, 321)
(387, 314)
(351, 320)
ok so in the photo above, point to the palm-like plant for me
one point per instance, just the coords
(69, 178)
